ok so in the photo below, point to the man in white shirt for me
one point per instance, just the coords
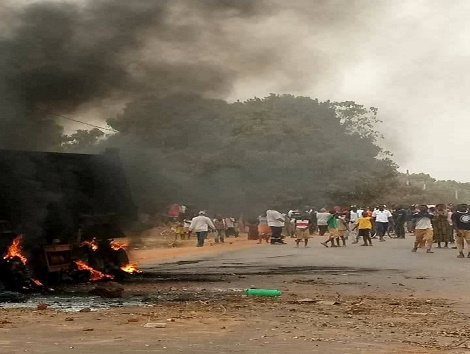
(276, 222)
(201, 225)
(359, 212)
(422, 226)
(322, 221)
(352, 218)
(382, 217)
(230, 227)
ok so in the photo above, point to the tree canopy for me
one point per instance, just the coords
(283, 150)
(245, 156)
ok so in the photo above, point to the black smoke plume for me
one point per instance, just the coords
(56, 57)
(59, 57)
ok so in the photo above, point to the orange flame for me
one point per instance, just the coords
(94, 274)
(15, 250)
(131, 268)
(116, 246)
(93, 244)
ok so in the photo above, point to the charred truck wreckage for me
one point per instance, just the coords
(61, 216)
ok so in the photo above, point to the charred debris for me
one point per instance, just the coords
(62, 218)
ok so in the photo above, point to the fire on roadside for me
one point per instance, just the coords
(14, 250)
(116, 246)
(94, 274)
(131, 268)
(93, 244)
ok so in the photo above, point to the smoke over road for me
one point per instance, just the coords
(405, 58)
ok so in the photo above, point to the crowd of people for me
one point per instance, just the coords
(441, 224)
(201, 225)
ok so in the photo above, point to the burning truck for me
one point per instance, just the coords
(62, 218)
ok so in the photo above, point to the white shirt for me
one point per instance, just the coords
(423, 223)
(359, 213)
(229, 222)
(201, 223)
(381, 216)
(263, 220)
(273, 216)
(322, 218)
(353, 216)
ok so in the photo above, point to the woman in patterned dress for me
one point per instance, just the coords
(440, 224)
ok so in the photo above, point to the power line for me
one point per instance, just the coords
(79, 121)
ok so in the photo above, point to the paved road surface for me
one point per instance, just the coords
(386, 264)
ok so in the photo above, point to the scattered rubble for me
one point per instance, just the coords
(108, 290)
(42, 306)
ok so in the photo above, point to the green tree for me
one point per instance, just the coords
(244, 156)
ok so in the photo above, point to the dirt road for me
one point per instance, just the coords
(380, 299)
(188, 248)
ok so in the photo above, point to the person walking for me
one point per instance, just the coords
(422, 228)
(322, 221)
(301, 230)
(440, 225)
(289, 225)
(364, 225)
(178, 229)
(382, 217)
(400, 220)
(461, 222)
(219, 223)
(201, 225)
(276, 222)
(313, 225)
(264, 231)
(230, 227)
(351, 218)
(409, 218)
(332, 224)
(186, 225)
(343, 229)
(450, 212)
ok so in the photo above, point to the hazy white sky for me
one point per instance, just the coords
(409, 58)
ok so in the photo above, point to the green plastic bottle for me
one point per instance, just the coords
(262, 292)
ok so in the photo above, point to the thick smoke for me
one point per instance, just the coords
(58, 57)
